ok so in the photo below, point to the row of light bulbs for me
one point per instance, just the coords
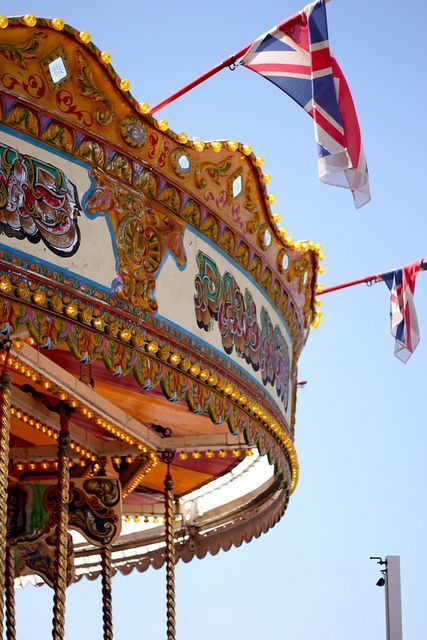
(57, 391)
(209, 453)
(49, 432)
(227, 388)
(82, 462)
(196, 370)
(50, 465)
(164, 352)
(153, 519)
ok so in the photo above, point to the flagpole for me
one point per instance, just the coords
(211, 72)
(375, 277)
(194, 83)
(351, 283)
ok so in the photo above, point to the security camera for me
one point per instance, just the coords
(381, 582)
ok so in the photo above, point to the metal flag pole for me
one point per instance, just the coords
(227, 62)
(372, 279)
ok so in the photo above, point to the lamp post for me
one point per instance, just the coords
(393, 597)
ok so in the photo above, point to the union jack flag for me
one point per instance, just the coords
(403, 316)
(295, 57)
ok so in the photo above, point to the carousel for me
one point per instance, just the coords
(151, 318)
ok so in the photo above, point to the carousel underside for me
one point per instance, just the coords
(225, 492)
(151, 318)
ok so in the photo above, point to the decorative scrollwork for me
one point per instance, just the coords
(92, 152)
(106, 489)
(24, 119)
(251, 204)
(59, 136)
(153, 139)
(96, 521)
(148, 184)
(143, 238)
(133, 132)
(142, 241)
(94, 509)
(89, 89)
(38, 557)
(214, 171)
(33, 85)
(19, 52)
(121, 167)
(65, 102)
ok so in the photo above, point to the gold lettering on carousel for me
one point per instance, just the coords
(218, 298)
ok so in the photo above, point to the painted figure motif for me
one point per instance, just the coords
(219, 298)
(38, 202)
(94, 510)
(38, 557)
(144, 235)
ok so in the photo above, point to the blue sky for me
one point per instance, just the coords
(360, 431)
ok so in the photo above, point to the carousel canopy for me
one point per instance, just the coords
(147, 295)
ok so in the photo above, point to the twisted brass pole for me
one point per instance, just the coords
(170, 554)
(61, 533)
(5, 384)
(10, 594)
(107, 603)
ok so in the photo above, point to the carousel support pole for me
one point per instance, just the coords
(107, 603)
(10, 593)
(61, 534)
(5, 392)
(167, 457)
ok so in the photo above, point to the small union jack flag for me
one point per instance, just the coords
(295, 56)
(403, 316)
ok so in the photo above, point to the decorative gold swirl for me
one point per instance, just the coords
(105, 489)
(214, 171)
(20, 52)
(90, 90)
